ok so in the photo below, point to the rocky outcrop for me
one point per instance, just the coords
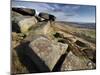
(16, 17)
(47, 17)
(43, 45)
(21, 15)
(25, 11)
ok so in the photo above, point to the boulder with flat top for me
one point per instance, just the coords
(47, 50)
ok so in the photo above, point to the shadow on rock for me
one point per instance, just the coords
(15, 27)
(58, 65)
(30, 59)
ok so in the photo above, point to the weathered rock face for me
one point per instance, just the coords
(25, 11)
(41, 28)
(26, 24)
(90, 53)
(47, 16)
(73, 62)
(16, 17)
(47, 50)
(45, 28)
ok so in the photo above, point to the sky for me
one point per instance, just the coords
(63, 12)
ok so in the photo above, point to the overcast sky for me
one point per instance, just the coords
(63, 12)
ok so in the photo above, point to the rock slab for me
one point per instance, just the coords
(47, 50)
(73, 62)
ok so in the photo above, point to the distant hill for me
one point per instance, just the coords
(80, 24)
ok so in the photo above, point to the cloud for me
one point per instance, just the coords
(63, 12)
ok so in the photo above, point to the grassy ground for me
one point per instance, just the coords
(87, 34)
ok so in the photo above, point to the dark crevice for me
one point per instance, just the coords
(58, 65)
(62, 41)
(81, 44)
(57, 35)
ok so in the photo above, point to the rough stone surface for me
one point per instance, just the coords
(73, 62)
(27, 23)
(46, 28)
(47, 50)
(42, 28)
